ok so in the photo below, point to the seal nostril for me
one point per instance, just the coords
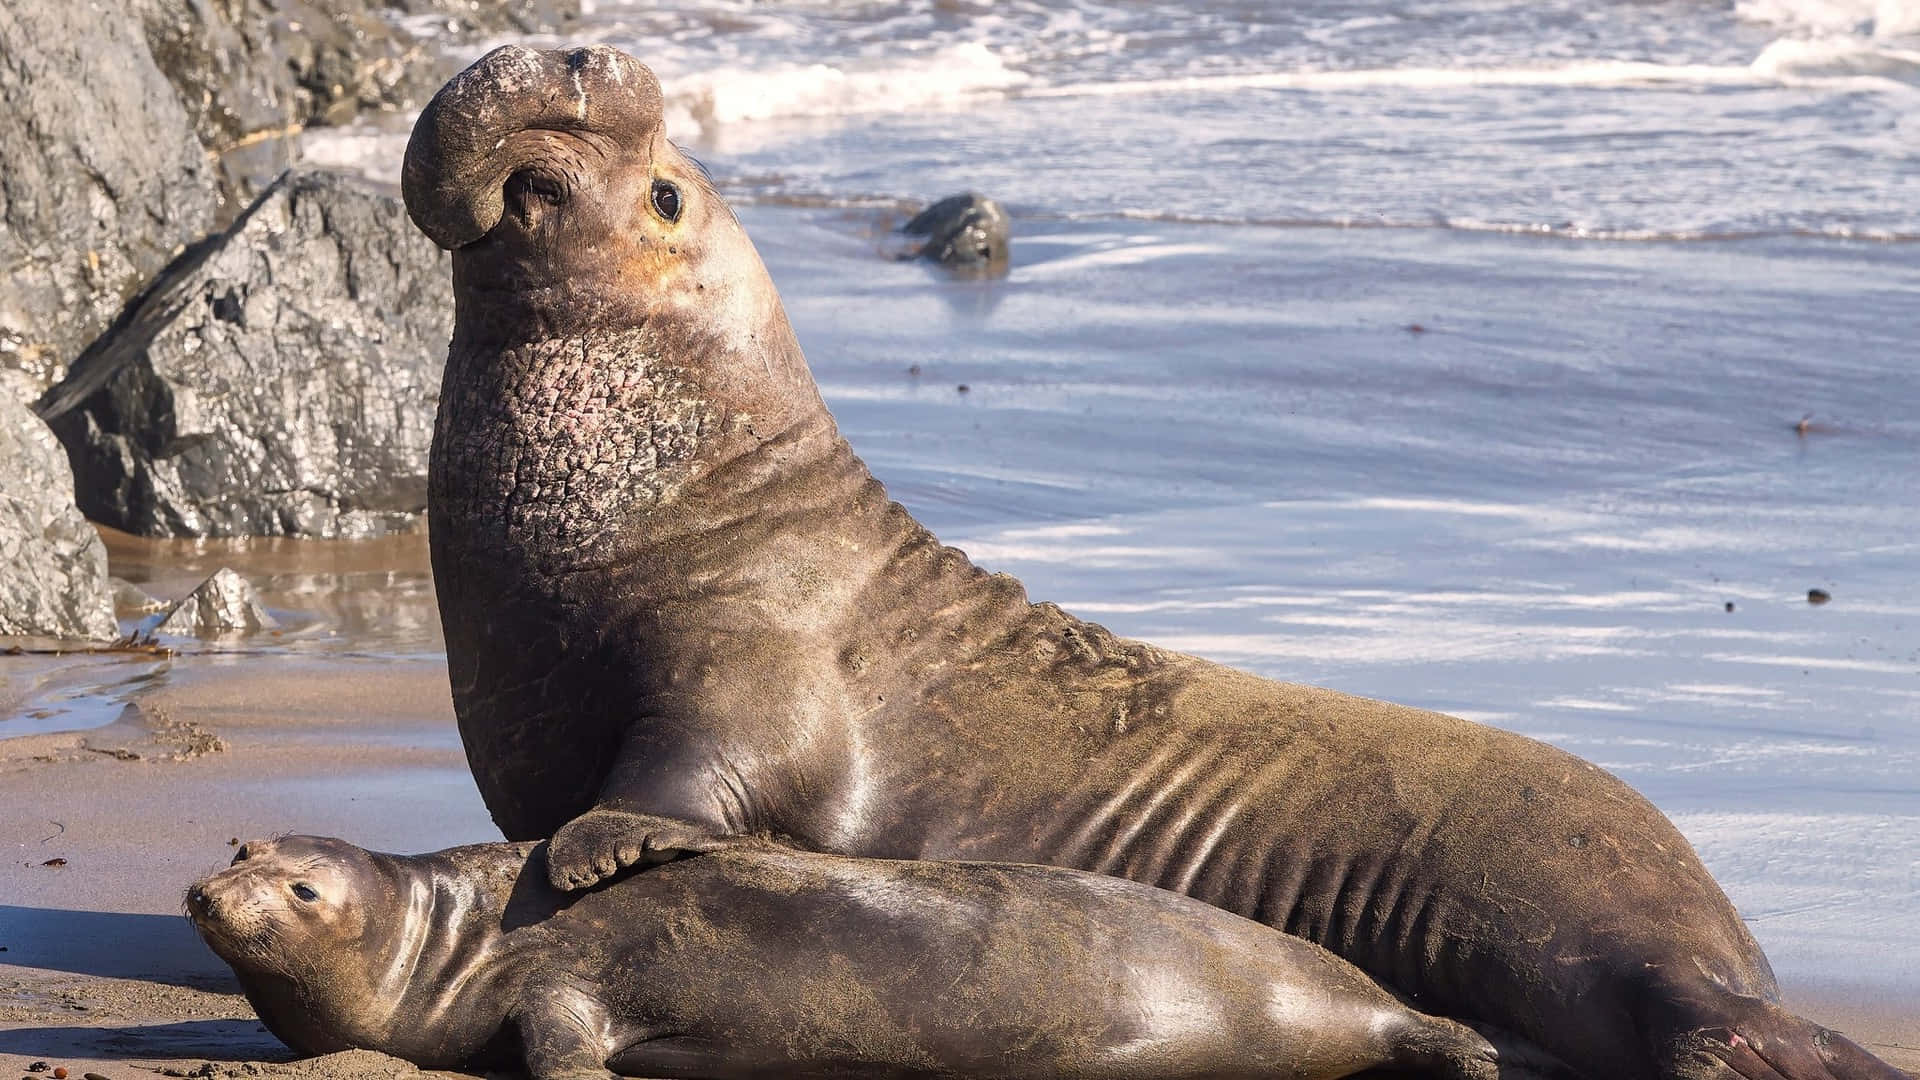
(529, 183)
(198, 900)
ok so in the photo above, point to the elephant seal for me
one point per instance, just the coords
(677, 607)
(966, 233)
(759, 961)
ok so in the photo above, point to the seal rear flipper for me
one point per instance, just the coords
(1520, 1059)
(1442, 1047)
(1436, 1046)
(1723, 1035)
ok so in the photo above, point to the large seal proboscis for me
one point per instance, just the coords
(677, 606)
(765, 961)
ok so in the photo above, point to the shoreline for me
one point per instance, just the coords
(102, 974)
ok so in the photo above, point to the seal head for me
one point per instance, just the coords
(296, 918)
(549, 176)
(338, 947)
(515, 109)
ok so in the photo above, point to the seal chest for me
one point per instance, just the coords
(543, 448)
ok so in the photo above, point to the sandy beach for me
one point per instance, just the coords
(102, 974)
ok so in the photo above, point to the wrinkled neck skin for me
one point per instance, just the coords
(574, 414)
(595, 457)
(425, 984)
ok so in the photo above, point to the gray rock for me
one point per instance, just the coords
(282, 381)
(220, 604)
(104, 181)
(53, 566)
(966, 232)
(254, 73)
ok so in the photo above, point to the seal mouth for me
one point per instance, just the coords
(213, 921)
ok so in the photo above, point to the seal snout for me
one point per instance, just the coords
(204, 897)
(207, 911)
(226, 895)
(504, 113)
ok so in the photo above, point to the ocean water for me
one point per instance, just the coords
(1526, 360)
(1645, 118)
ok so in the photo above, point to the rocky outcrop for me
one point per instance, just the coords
(254, 73)
(965, 232)
(223, 603)
(281, 380)
(103, 180)
(53, 567)
(132, 128)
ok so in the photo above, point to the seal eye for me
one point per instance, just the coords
(305, 892)
(666, 200)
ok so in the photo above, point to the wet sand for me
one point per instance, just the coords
(339, 723)
(101, 972)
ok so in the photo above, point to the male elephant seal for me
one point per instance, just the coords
(677, 606)
(763, 961)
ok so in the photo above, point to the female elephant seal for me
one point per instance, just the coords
(762, 961)
(677, 606)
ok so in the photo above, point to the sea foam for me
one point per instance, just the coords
(1835, 63)
(724, 95)
(1874, 18)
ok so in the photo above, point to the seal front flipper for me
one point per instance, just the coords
(556, 1027)
(658, 802)
(603, 841)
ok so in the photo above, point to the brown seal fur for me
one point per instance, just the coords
(677, 606)
(765, 961)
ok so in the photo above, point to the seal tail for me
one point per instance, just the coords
(1434, 1046)
(1723, 1035)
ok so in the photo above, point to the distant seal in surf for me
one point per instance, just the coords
(761, 961)
(966, 233)
(678, 607)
